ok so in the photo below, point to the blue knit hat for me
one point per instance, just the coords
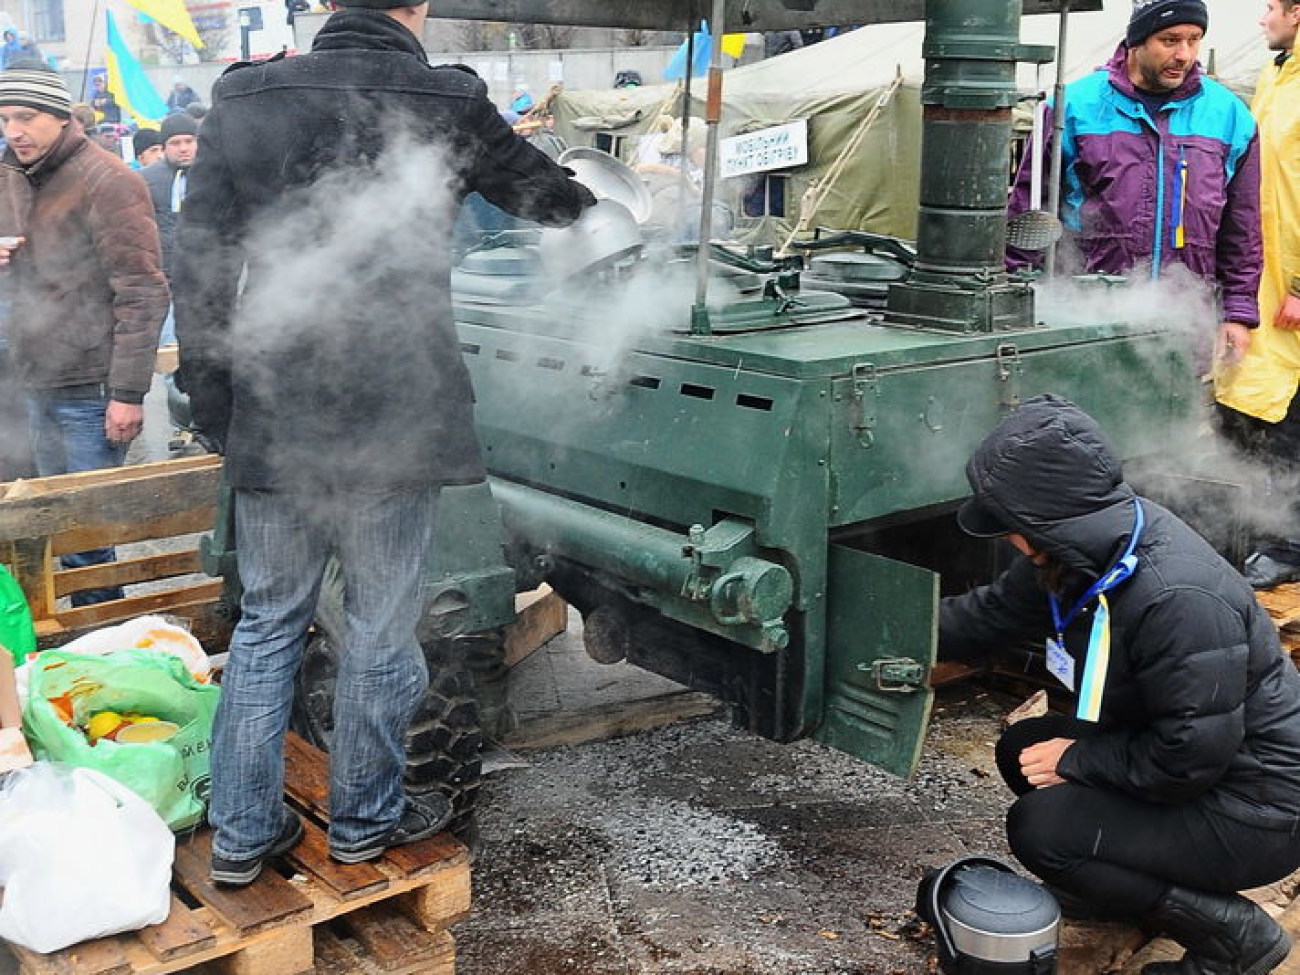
(1150, 16)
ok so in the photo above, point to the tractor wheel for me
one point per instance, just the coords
(444, 739)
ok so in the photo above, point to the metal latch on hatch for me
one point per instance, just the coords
(896, 675)
(866, 387)
(1009, 370)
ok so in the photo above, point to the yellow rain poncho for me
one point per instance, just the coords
(1265, 382)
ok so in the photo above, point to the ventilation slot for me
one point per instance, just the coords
(754, 402)
(645, 382)
(469, 348)
(699, 392)
(506, 355)
(546, 362)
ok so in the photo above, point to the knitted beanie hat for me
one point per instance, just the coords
(145, 139)
(1150, 16)
(179, 123)
(37, 88)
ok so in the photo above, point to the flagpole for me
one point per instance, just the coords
(90, 44)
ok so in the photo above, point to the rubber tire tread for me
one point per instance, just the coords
(444, 740)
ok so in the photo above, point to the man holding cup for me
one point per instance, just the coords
(80, 264)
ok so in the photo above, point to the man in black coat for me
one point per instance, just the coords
(318, 348)
(167, 178)
(1176, 782)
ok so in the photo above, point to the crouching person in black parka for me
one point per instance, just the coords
(1177, 781)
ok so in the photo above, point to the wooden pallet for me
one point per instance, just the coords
(164, 503)
(389, 915)
(1283, 604)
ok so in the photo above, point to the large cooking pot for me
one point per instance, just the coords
(605, 234)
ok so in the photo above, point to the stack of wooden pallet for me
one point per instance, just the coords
(1283, 604)
(311, 914)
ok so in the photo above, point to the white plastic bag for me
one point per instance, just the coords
(80, 857)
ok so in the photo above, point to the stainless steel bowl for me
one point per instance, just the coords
(609, 179)
(604, 234)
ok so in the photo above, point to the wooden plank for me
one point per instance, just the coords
(285, 952)
(433, 854)
(611, 721)
(103, 956)
(267, 901)
(306, 775)
(126, 572)
(181, 934)
(332, 955)
(951, 671)
(391, 940)
(540, 616)
(44, 506)
(346, 881)
(29, 487)
(100, 534)
(32, 566)
(168, 359)
(445, 900)
(206, 620)
(440, 959)
(132, 606)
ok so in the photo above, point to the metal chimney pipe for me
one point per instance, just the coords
(959, 282)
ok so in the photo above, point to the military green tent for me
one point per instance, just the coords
(834, 85)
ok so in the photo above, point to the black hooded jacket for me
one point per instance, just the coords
(1200, 703)
(313, 259)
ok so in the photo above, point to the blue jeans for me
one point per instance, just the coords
(67, 434)
(381, 538)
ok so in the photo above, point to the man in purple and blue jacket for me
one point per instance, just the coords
(1160, 166)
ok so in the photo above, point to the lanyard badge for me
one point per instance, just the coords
(1093, 685)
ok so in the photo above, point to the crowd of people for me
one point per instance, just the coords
(1176, 782)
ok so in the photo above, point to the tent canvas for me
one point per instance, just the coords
(834, 85)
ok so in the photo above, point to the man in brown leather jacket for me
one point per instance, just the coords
(82, 272)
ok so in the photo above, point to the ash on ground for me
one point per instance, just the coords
(699, 848)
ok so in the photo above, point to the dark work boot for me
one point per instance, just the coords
(1224, 934)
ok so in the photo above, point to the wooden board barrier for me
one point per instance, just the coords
(165, 503)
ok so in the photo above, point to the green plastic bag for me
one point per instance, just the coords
(16, 632)
(173, 776)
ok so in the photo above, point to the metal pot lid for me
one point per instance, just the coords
(609, 179)
(998, 902)
(856, 267)
(502, 261)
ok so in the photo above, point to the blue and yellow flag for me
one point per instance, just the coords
(172, 14)
(127, 80)
(732, 44)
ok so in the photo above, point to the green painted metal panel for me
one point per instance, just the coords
(882, 628)
(468, 586)
(926, 420)
(645, 434)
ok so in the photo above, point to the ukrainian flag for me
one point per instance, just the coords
(172, 14)
(128, 83)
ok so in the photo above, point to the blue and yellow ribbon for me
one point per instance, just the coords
(1093, 685)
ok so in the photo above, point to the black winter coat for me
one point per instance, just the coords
(1200, 703)
(159, 177)
(336, 177)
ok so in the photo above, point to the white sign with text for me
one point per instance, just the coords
(779, 147)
